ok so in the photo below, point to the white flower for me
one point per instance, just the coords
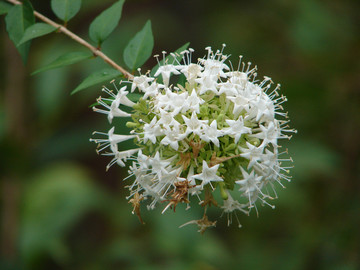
(165, 72)
(249, 185)
(252, 153)
(172, 137)
(208, 174)
(159, 165)
(152, 130)
(194, 125)
(230, 205)
(237, 128)
(207, 83)
(193, 102)
(112, 140)
(211, 133)
(141, 82)
(191, 72)
(120, 157)
(218, 130)
(112, 110)
(122, 98)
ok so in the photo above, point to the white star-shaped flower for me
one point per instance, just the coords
(172, 137)
(141, 82)
(152, 130)
(193, 102)
(178, 102)
(238, 78)
(241, 102)
(214, 67)
(166, 71)
(167, 118)
(194, 125)
(152, 90)
(207, 83)
(228, 88)
(250, 182)
(268, 134)
(253, 153)
(159, 165)
(262, 106)
(112, 109)
(208, 174)
(211, 133)
(237, 128)
(120, 157)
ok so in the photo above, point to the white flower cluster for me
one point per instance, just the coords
(200, 127)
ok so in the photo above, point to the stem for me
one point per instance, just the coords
(78, 39)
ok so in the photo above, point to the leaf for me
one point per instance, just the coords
(139, 48)
(18, 19)
(4, 8)
(36, 30)
(96, 78)
(65, 60)
(169, 58)
(105, 23)
(65, 9)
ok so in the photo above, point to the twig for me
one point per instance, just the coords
(78, 39)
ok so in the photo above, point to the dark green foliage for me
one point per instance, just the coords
(18, 19)
(4, 7)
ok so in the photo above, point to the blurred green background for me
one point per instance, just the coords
(61, 210)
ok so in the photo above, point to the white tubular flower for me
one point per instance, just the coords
(141, 82)
(218, 130)
(166, 71)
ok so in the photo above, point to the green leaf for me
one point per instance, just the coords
(105, 23)
(101, 76)
(65, 9)
(4, 8)
(139, 48)
(170, 58)
(36, 30)
(65, 60)
(18, 19)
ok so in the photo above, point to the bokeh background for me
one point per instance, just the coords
(61, 210)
